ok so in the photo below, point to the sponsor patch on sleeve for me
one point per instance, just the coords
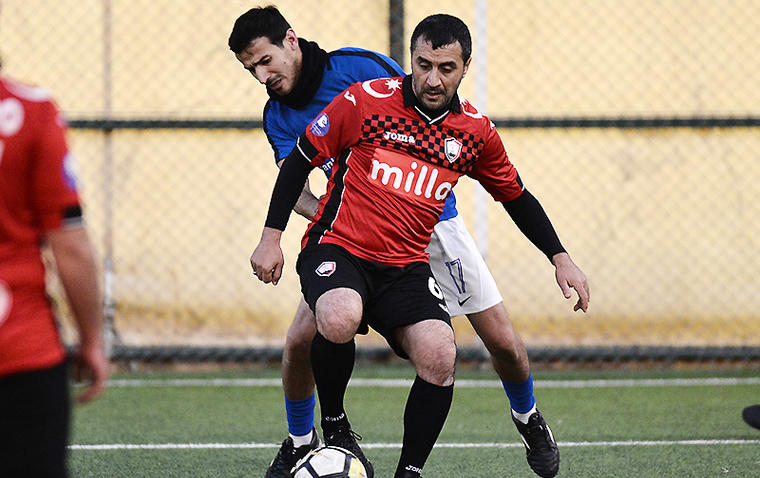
(70, 171)
(321, 125)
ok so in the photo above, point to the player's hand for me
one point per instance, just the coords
(569, 276)
(91, 366)
(267, 259)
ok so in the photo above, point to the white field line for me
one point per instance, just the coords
(205, 446)
(404, 383)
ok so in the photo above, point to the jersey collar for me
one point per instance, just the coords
(431, 117)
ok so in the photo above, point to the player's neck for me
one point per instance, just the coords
(312, 65)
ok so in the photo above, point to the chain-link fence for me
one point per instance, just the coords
(635, 123)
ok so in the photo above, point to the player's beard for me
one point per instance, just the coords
(443, 100)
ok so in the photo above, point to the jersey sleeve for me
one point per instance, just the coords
(54, 175)
(335, 129)
(495, 172)
(281, 141)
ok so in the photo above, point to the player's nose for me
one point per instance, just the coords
(434, 79)
(261, 75)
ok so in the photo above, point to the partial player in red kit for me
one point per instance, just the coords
(39, 206)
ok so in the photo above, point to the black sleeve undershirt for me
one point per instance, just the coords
(290, 181)
(532, 220)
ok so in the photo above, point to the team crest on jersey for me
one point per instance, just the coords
(5, 301)
(452, 149)
(326, 269)
(321, 125)
(11, 116)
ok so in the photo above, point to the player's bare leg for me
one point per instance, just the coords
(297, 378)
(510, 360)
(298, 385)
(339, 313)
(508, 354)
(431, 348)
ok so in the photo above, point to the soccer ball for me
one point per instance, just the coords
(329, 462)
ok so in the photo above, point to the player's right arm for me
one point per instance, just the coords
(267, 259)
(307, 203)
(335, 129)
(282, 143)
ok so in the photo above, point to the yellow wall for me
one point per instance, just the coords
(662, 221)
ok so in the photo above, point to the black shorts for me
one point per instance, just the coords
(34, 412)
(392, 296)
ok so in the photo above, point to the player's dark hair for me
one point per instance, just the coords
(258, 22)
(442, 30)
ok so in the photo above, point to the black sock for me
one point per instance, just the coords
(332, 365)
(426, 410)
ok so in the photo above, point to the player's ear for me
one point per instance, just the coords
(291, 39)
(466, 66)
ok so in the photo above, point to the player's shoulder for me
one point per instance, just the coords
(380, 88)
(25, 92)
(361, 60)
(471, 112)
(24, 104)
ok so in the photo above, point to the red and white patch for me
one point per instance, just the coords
(5, 301)
(326, 269)
(453, 149)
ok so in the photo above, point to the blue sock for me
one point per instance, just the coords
(300, 415)
(520, 395)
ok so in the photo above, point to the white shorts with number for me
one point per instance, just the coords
(460, 270)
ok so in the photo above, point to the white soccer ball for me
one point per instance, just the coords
(329, 462)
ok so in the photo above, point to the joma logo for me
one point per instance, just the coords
(394, 136)
(395, 176)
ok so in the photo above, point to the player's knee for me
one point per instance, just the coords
(498, 334)
(436, 363)
(301, 334)
(339, 314)
(505, 346)
(298, 343)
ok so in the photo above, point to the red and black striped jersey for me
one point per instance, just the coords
(395, 166)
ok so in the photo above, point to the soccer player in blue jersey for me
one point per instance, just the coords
(301, 79)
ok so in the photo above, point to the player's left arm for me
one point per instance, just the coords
(78, 271)
(500, 178)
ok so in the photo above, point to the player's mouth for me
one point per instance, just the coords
(433, 95)
(275, 84)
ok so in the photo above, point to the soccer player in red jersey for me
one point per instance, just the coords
(39, 205)
(400, 145)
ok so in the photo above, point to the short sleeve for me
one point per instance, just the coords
(282, 141)
(54, 175)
